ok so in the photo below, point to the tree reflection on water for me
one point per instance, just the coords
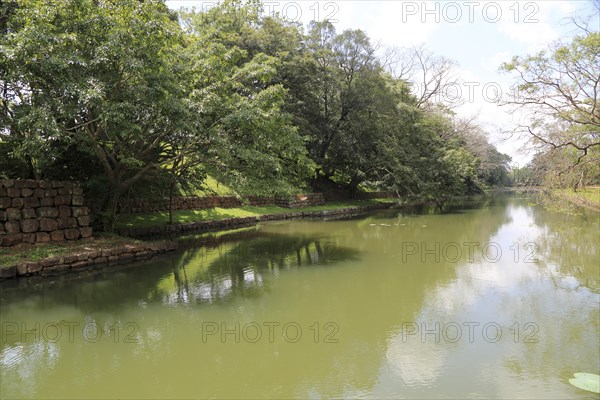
(227, 269)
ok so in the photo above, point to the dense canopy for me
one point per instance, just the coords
(129, 97)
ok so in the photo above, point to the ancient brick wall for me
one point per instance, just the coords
(300, 200)
(41, 212)
(143, 206)
(291, 201)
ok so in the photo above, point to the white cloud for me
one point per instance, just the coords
(492, 63)
(534, 24)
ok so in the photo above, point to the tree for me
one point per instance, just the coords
(559, 89)
(101, 75)
(250, 140)
(430, 76)
(121, 82)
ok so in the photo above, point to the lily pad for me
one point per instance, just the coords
(586, 381)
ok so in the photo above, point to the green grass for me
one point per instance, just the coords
(212, 187)
(590, 194)
(27, 252)
(215, 214)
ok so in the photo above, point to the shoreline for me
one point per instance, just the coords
(576, 200)
(121, 253)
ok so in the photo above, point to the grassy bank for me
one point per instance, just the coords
(587, 197)
(33, 253)
(29, 252)
(216, 214)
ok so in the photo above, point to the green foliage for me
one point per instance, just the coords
(559, 88)
(133, 99)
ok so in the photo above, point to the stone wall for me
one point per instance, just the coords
(300, 200)
(142, 206)
(293, 201)
(87, 259)
(41, 212)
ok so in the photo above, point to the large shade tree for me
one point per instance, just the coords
(558, 90)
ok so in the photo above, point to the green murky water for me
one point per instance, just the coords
(496, 299)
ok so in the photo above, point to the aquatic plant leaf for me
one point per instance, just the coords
(586, 381)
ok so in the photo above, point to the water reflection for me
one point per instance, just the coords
(228, 269)
(544, 317)
(355, 273)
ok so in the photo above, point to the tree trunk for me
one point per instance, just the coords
(353, 185)
(171, 189)
(440, 202)
(112, 207)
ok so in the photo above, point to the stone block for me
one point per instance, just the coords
(62, 200)
(50, 193)
(11, 239)
(17, 202)
(72, 234)
(80, 264)
(45, 184)
(26, 192)
(126, 257)
(13, 214)
(47, 212)
(29, 225)
(5, 202)
(65, 191)
(22, 269)
(42, 237)
(28, 213)
(84, 221)
(3, 216)
(47, 201)
(80, 211)
(8, 272)
(28, 238)
(50, 262)
(25, 183)
(67, 223)
(85, 232)
(57, 236)
(77, 200)
(39, 192)
(33, 267)
(31, 202)
(64, 211)
(7, 183)
(48, 224)
(71, 258)
(101, 260)
(13, 192)
(78, 191)
(56, 185)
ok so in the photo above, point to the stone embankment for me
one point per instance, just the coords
(41, 212)
(87, 259)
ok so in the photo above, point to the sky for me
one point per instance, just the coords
(477, 35)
